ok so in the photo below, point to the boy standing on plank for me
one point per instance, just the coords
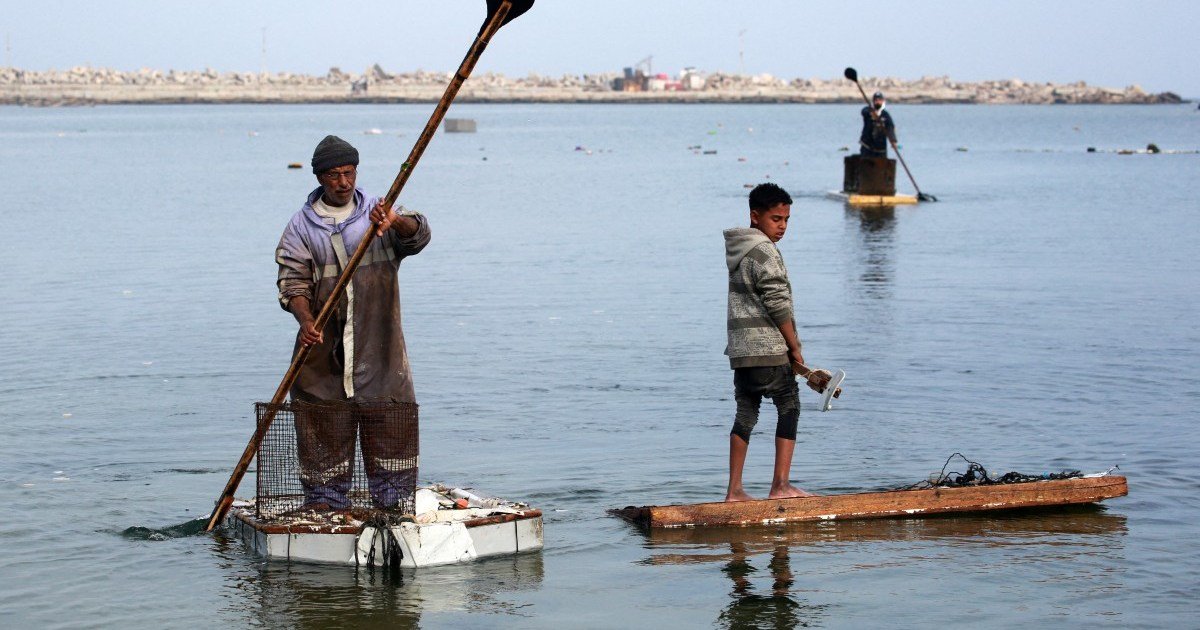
(763, 347)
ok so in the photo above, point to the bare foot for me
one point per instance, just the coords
(738, 495)
(787, 492)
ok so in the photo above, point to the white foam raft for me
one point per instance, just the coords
(451, 525)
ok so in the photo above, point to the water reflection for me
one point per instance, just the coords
(774, 609)
(299, 595)
(876, 239)
(1085, 538)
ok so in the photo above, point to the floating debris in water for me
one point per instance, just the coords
(459, 125)
(1151, 149)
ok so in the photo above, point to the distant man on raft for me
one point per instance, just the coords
(877, 129)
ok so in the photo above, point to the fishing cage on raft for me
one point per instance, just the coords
(336, 456)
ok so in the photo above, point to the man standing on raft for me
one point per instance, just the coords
(763, 349)
(359, 360)
(877, 129)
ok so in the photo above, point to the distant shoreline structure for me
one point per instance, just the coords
(102, 86)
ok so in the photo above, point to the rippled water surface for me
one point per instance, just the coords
(566, 328)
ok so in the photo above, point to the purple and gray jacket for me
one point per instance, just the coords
(363, 356)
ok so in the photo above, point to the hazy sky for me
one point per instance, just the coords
(1102, 42)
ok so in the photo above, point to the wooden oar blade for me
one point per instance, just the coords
(851, 74)
(518, 7)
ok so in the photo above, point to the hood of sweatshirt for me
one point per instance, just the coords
(739, 242)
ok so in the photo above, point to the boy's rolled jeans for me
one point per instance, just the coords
(751, 384)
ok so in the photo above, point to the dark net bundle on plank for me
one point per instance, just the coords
(977, 475)
(360, 457)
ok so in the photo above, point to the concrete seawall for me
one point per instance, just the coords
(94, 86)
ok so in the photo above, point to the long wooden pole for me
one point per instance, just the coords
(493, 24)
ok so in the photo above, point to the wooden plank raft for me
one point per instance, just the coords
(856, 199)
(889, 504)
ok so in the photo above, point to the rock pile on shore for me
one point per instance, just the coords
(87, 86)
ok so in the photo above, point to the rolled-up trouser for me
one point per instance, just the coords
(751, 384)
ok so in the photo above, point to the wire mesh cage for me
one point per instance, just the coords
(336, 456)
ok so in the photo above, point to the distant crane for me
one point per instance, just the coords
(635, 80)
(646, 62)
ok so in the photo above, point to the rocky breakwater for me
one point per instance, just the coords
(91, 86)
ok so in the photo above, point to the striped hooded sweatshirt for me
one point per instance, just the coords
(363, 356)
(760, 299)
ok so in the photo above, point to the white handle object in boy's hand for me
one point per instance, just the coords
(823, 382)
(832, 388)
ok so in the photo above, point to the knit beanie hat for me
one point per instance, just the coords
(333, 152)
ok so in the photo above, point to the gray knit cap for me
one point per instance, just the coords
(333, 152)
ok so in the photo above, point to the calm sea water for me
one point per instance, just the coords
(566, 328)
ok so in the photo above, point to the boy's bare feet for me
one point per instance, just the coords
(738, 495)
(787, 491)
